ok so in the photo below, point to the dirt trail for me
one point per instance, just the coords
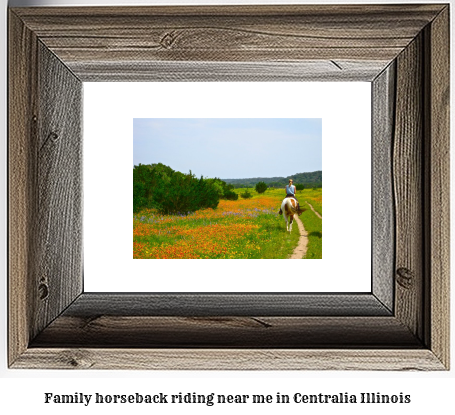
(301, 248)
(312, 208)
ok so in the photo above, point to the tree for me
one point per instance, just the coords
(261, 187)
(225, 190)
(171, 192)
(299, 187)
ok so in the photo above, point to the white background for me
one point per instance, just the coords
(23, 391)
(109, 109)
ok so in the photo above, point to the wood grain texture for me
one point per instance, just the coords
(229, 359)
(383, 215)
(226, 332)
(44, 187)
(22, 84)
(53, 49)
(58, 264)
(228, 34)
(309, 71)
(212, 305)
(408, 188)
(439, 190)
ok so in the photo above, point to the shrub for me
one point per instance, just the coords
(261, 187)
(144, 181)
(224, 189)
(299, 187)
(170, 192)
(230, 195)
(246, 194)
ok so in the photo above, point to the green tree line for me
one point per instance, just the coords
(160, 187)
(309, 180)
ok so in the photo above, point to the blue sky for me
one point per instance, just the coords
(230, 148)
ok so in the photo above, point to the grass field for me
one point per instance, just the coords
(312, 224)
(245, 228)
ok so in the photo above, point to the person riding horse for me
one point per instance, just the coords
(290, 192)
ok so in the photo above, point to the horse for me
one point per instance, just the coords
(289, 209)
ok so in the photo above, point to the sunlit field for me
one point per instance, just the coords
(240, 229)
(313, 196)
(312, 224)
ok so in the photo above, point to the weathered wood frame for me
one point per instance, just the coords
(403, 50)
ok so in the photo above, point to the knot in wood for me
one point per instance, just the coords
(53, 136)
(43, 291)
(168, 39)
(77, 359)
(405, 278)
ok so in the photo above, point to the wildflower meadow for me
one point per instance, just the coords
(235, 229)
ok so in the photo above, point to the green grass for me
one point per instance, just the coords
(312, 224)
(165, 235)
(314, 197)
(212, 233)
(283, 242)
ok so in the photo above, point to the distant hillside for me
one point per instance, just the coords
(312, 179)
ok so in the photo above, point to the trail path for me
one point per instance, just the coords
(312, 208)
(301, 248)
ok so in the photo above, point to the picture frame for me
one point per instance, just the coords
(402, 324)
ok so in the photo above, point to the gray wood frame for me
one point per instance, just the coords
(403, 324)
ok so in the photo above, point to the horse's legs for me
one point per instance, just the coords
(285, 216)
(291, 220)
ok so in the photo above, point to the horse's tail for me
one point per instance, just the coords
(291, 209)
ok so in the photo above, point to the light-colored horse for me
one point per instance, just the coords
(289, 209)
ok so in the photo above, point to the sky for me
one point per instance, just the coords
(230, 148)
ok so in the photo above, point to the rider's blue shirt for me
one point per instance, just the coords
(290, 190)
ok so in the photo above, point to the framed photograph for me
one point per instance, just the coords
(211, 138)
(400, 322)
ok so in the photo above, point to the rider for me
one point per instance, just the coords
(290, 192)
